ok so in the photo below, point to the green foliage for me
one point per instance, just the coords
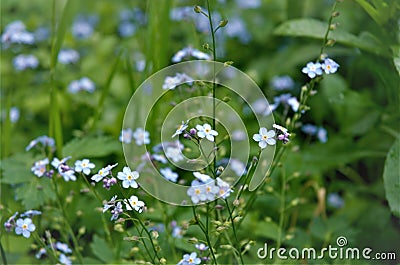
(307, 27)
(102, 250)
(91, 146)
(391, 177)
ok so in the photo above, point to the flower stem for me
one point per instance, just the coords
(205, 231)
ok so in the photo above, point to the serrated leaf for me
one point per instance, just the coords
(35, 193)
(16, 169)
(101, 249)
(91, 147)
(312, 28)
(391, 178)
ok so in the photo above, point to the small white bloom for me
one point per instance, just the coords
(281, 128)
(159, 158)
(135, 203)
(84, 166)
(202, 177)
(181, 128)
(128, 178)
(100, 174)
(264, 137)
(206, 131)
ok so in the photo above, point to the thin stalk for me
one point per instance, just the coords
(68, 226)
(3, 254)
(106, 229)
(282, 209)
(214, 84)
(203, 228)
(40, 241)
(234, 230)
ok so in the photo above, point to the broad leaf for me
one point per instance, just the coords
(35, 193)
(307, 27)
(101, 249)
(391, 178)
(16, 169)
(92, 147)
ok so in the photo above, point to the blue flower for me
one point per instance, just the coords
(63, 247)
(44, 140)
(312, 69)
(169, 174)
(65, 260)
(335, 201)
(284, 82)
(24, 227)
(68, 56)
(190, 259)
(39, 168)
(23, 62)
(206, 131)
(329, 66)
(141, 136)
(81, 84)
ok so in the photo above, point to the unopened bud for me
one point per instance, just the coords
(228, 63)
(163, 261)
(236, 202)
(335, 14)
(223, 23)
(154, 234)
(226, 246)
(197, 9)
(333, 26)
(330, 42)
(226, 99)
(193, 240)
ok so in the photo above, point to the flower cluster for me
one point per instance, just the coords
(171, 82)
(204, 188)
(23, 225)
(23, 62)
(68, 56)
(62, 251)
(268, 137)
(83, 84)
(44, 140)
(328, 66)
(116, 208)
(190, 259)
(140, 135)
(15, 32)
(188, 52)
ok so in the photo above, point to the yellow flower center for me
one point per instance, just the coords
(197, 191)
(129, 177)
(24, 226)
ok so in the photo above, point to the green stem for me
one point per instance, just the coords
(282, 209)
(205, 232)
(329, 29)
(66, 222)
(3, 254)
(214, 84)
(234, 230)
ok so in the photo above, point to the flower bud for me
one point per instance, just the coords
(223, 23)
(197, 9)
(335, 14)
(330, 42)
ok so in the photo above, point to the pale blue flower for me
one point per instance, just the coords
(39, 167)
(141, 136)
(14, 114)
(44, 140)
(190, 259)
(30, 213)
(329, 66)
(83, 84)
(169, 174)
(63, 247)
(23, 62)
(322, 135)
(24, 227)
(64, 259)
(68, 56)
(312, 69)
(128, 178)
(284, 82)
(126, 136)
(84, 166)
(335, 201)
(188, 52)
(264, 137)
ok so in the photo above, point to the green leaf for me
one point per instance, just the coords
(396, 58)
(35, 193)
(63, 25)
(391, 178)
(15, 169)
(91, 147)
(312, 28)
(101, 249)
(379, 10)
